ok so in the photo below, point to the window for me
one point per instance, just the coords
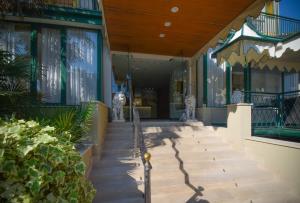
(49, 83)
(87, 4)
(81, 66)
(291, 82)
(15, 38)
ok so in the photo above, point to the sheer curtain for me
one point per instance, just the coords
(81, 66)
(291, 82)
(87, 4)
(49, 83)
(15, 38)
(216, 79)
(265, 80)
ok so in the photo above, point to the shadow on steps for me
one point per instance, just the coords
(117, 176)
(198, 190)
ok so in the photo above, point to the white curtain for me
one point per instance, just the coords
(266, 80)
(87, 4)
(291, 82)
(15, 38)
(216, 79)
(81, 66)
(49, 83)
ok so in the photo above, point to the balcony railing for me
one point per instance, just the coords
(274, 25)
(81, 4)
(275, 114)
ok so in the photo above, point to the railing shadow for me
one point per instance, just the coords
(198, 190)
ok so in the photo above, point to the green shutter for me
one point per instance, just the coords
(228, 83)
(247, 83)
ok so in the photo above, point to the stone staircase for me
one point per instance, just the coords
(191, 163)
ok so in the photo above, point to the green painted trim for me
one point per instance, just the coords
(247, 83)
(100, 66)
(284, 132)
(291, 37)
(272, 40)
(63, 65)
(34, 58)
(92, 17)
(205, 75)
(263, 36)
(228, 83)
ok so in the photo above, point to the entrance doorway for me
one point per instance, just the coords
(159, 84)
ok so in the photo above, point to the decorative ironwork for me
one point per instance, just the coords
(275, 111)
(274, 25)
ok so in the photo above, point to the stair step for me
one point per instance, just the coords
(123, 200)
(118, 192)
(199, 167)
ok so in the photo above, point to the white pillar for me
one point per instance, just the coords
(238, 123)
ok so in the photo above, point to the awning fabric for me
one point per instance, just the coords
(247, 46)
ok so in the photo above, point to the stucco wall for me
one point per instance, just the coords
(97, 132)
(212, 115)
(280, 157)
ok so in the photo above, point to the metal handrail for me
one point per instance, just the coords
(140, 149)
(274, 25)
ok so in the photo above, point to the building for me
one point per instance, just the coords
(238, 59)
(69, 50)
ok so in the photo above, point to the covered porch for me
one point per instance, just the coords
(262, 68)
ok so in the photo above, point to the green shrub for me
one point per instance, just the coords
(38, 165)
(76, 121)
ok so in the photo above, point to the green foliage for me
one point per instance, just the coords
(14, 74)
(39, 165)
(76, 121)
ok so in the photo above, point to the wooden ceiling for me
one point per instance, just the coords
(135, 25)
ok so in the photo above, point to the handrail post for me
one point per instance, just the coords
(135, 134)
(140, 149)
(147, 174)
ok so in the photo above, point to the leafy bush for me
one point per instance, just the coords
(39, 165)
(76, 121)
(15, 74)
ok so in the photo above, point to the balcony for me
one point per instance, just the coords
(274, 25)
(80, 4)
